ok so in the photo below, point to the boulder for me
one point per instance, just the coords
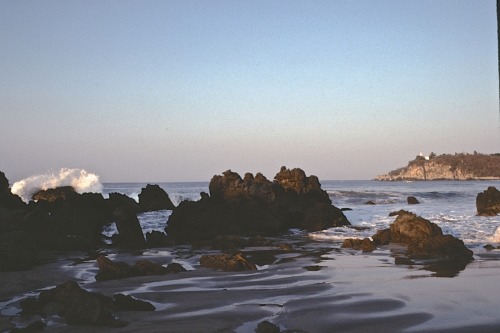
(488, 202)
(409, 227)
(412, 200)
(80, 307)
(153, 197)
(441, 246)
(129, 229)
(226, 262)
(382, 237)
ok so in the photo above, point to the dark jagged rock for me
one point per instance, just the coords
(156, 239)
(117, 200)
(9, 200)
(252, 206)
(227, 263)
(412, 200)
(488, 202)
(80, 307)
(153, 197)
(128, 303)
(129, 229)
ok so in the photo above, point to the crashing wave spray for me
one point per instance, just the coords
(81, 180)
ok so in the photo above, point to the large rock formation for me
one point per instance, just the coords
(488, 202)
(130, 234)
(253, 206)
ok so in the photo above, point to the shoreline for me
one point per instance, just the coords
(315, 287)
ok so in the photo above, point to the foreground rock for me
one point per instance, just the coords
(80, 307)
(7, 199)
(253, 206)
(488, 202)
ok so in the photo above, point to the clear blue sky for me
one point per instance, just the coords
(183, 90)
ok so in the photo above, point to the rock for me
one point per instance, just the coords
(156, 239)
(174, 268)
(80, 307)
(382, 237)
(488, 202)
(146, 267)
(409, 227)
(370, 202)
(128, 303)
(9, 200)
(117, 200)
(439, 246)
(412, 200)
(366, 245)
(58, 193)
(226, 262)
(129, 229)
(153, 197)
(267, 327)
(403, 261)
(109, 270)
(253, 206)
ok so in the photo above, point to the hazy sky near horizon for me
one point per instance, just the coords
(182, 90)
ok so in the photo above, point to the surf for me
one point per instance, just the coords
(81, 180)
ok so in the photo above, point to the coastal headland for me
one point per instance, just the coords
(461, 166)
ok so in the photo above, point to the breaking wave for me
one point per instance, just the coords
(81, 180)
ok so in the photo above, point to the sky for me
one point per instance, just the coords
(183, 90)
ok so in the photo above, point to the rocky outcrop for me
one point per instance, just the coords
(409, 227)
(117, 200)
(488, 202)
(252, 206)
(80, 307)
(448, 167)
(7, 199)
(53, 194)
(153, 197)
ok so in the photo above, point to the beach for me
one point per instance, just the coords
(314, 287)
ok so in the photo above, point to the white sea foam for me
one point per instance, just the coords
(81, 180)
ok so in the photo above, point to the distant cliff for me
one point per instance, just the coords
(448, 167)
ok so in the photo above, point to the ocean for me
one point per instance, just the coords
(449, 204)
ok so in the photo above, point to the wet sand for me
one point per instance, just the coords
(315, 287)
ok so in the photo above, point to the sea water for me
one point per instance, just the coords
(449, 204)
